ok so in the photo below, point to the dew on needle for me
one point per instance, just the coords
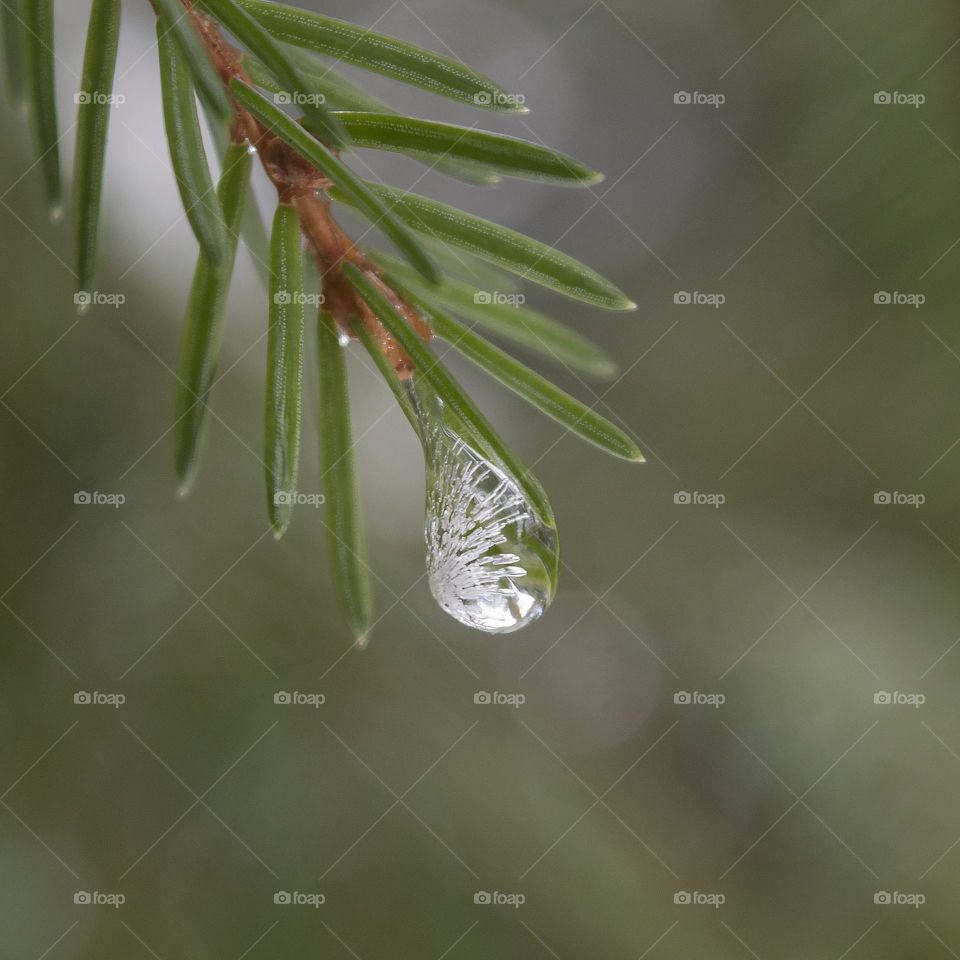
(491, 561)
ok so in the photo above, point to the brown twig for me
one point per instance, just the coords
(301, 185)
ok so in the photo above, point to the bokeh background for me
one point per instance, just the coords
(783, 808)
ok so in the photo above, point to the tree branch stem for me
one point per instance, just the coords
(301, 185)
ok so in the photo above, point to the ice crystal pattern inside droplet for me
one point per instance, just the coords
(490, 560)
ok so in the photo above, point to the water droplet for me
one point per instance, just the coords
(343, 338)
(491, 561)
(56, 212)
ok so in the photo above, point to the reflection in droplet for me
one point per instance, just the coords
(491, 560)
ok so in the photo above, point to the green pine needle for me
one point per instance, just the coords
(284, 368)
(93, 121)
(203, 328)
(187, 152)
(351, 574)
(459, 403)
(537, 390)
(253, 36)
(175, 22)
(524, 256)
(501, 313)
(393, 58)
(42, 94)
(340, 94)
(493, 152)
(14, 52)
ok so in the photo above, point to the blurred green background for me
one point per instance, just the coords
(601, 801)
